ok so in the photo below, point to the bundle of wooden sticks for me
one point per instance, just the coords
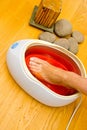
(47, 12)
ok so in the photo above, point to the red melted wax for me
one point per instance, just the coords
(57, 59)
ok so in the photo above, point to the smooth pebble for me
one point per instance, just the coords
(73, 45)
(63, 42)
(78, 36)
(63, 28)
(47, 36)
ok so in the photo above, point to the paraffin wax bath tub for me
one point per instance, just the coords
(18, 58)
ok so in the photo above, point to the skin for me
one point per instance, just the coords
(55, 75)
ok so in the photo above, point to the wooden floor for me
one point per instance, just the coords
(19, 111)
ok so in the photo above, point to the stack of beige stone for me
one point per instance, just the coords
(64, 36)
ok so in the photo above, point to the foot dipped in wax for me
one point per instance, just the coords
(44, 70)
(57, 76)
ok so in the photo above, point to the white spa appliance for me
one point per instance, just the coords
(21, 74)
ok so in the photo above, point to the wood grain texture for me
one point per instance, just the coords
(19, 111)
